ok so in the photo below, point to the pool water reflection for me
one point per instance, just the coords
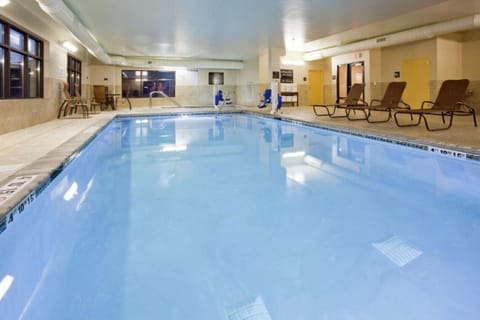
(242, 217)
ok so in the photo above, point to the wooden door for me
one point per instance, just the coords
(356, 73)
(347, 75)
(342, 81)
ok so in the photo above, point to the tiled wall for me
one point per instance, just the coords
(201, 95)
(473, 95)
(21, 113)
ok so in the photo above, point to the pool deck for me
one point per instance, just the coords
(42, 150)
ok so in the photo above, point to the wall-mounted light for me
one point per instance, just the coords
(4, 3)
(69, 46)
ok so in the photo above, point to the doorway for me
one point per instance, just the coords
(347, 75)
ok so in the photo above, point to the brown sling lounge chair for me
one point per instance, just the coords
(392, 99)
(93, 103)
(449, 103)
(71, 104)
(352, 99)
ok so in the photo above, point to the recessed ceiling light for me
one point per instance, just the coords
(4, 3)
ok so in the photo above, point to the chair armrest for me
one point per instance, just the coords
(462, 105)
(362, 103)
(427, 102)
(403, 105)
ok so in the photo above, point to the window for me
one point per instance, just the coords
(139, 83)
(21, 63)
(74, 74)
(215, 78)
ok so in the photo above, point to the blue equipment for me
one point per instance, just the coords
(267, 98)
(219, 97)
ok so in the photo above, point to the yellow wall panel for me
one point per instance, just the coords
(416, 72)
(315, 87)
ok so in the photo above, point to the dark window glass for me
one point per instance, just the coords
(2, 34)
(17, 39)
(33, 77)
(215, 78)
(16, 72)
(2, 63)
(140, 83)
(74, 74)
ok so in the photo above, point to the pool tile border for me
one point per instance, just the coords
(48, 167)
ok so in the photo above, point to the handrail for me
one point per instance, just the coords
(164, 95)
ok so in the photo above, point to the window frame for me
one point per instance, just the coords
(74, 74)
(147, 84)
(31, 82)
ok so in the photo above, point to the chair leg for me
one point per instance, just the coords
(366, 115)
(321, 114)
(395, 116)
(389, 116)
(62, 107)
(450, 114)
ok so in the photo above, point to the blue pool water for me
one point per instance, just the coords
(240, 217)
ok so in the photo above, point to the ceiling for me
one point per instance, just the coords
(239, 30)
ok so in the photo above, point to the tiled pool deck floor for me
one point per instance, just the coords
(40, 150)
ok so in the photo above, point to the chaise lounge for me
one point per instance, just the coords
(449, 103)
(352, 99)
(392, 99)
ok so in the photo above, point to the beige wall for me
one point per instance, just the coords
(191, 86)
(470, 54)
(471, 67)
(16, 114)
(392, 57)
(248, 82)
(449, 58)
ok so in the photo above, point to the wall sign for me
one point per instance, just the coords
(286, 75)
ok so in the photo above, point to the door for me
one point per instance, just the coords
(315, 87)
(356, 73)
(347, 75)
(342, 81)
(416, 72)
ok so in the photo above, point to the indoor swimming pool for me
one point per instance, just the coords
(235, 217)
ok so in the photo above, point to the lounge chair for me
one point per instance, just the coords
(352, 99)
(71, 104)
(392, 99)
(93, 103)
(100, 95)
(449, 103)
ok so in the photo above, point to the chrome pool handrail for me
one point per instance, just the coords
(164, 95)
